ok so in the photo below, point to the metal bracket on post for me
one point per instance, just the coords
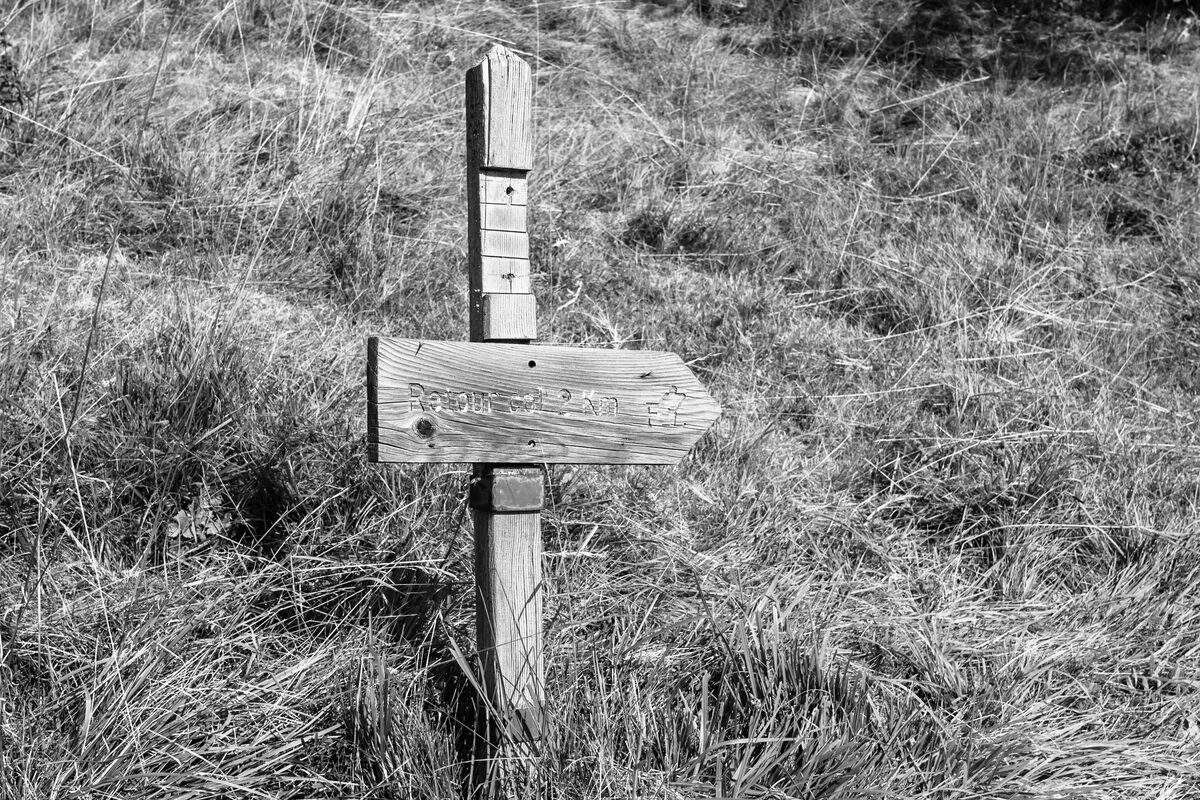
(508, 490)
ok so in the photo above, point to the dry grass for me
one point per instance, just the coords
(939, 265)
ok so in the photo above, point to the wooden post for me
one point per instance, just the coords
(513, 407)
(507, 501)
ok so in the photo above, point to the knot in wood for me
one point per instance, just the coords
(426, 427)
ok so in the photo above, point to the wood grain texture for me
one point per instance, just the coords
(508, 546)
(505, 244)
(372, 405)
(509, 317)
(499, 106)
(507, 188)
(445, 402)
(508, 610)
(503, 254)
(504, 276)
(506, 86)
(500, 217)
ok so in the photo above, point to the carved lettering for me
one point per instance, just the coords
(598, 406)
(561, 401)
(481, 402)
(665, 413)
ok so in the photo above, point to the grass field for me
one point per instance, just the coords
(940, 263)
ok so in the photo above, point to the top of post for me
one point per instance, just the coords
(499, 111)
(498, 50)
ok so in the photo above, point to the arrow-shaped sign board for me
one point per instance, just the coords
(440, 402)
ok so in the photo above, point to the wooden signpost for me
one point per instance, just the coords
(512, 407)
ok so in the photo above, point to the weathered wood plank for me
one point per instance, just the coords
(508, 621)
(509, 317)
(505, 84)
(499, 217)
(504, 244)
(503, 188)
(504, 275)
(444, 402)
(499, 155)
(508, 567)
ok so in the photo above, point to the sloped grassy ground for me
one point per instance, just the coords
(940, 266)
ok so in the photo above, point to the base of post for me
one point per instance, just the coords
(506, 750)
(507, 501)
(524, 725)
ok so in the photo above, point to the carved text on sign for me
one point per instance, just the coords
(563, 402)
(665, 413)
(496, 403)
